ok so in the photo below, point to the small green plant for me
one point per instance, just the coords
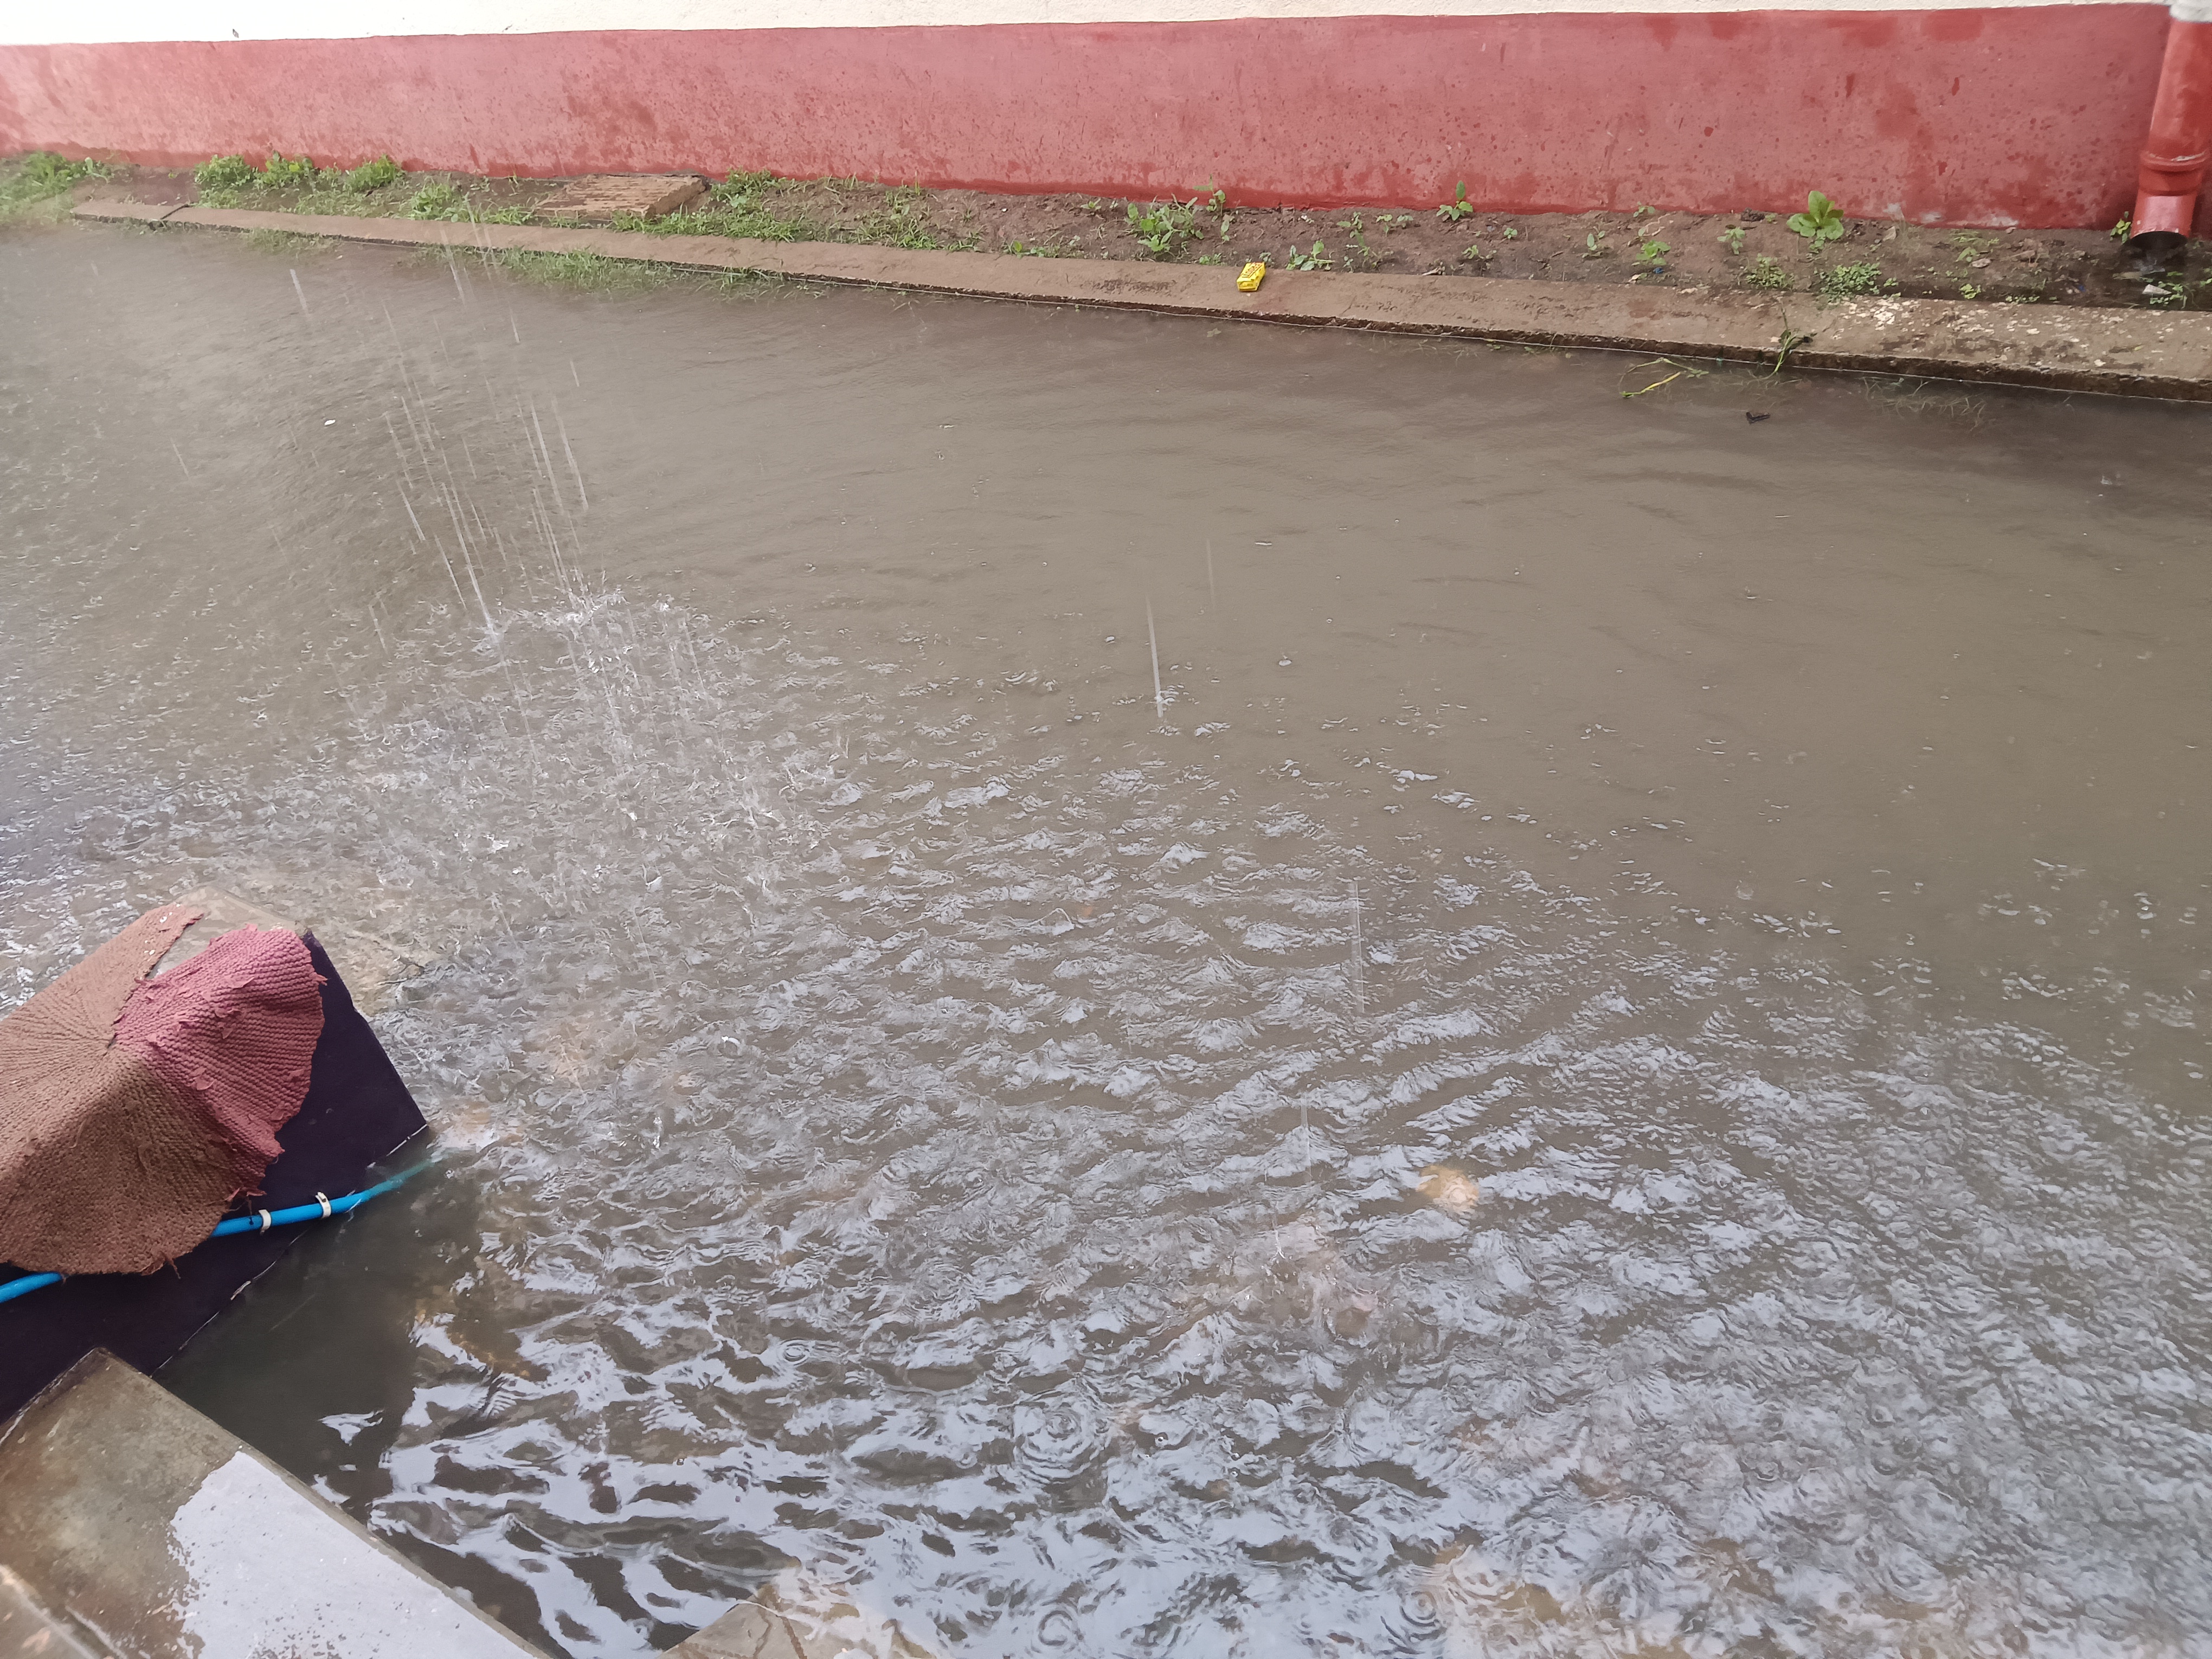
(1474, 255)
(1314, 259)
(224, 173)
(1822, 221)
(1653, 253)
(373, 175)
(507, 215)
(1361, 254)
(438, 200)
(1767, 277)
(1510, 233)
(1973, 249)
(1391, 222)
(2119, 232)
(1594, 247)
(1843, 281)
(1458, 208)
(1732, 239)
(1969, 291)
(1050, 250)
(1642, 209)
(1161, 227)
(287, 173)
(2166, 297)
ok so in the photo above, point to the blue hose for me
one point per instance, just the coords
(260, 1221)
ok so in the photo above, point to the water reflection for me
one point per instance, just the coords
(1605, 1055)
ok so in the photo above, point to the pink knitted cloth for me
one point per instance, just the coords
(134, 1111)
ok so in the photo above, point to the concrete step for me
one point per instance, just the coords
(27, 1631)
(132, 1525)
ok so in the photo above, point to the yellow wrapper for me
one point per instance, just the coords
(1248, 280)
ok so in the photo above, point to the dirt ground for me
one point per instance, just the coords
(1754, 248)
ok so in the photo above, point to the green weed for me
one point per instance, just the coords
(440, 199)
(1361, 254)
(39, 177)
(1316, 259)
(286, 172)
(1969, 245)
(1161, 227)
(224, 173)
(1457, 209)
(373, 175)
(1653, 253)
(2119, 233)
(1594, 245)
(1510, 233)
(1068, 250)
(1822, 221)
(1843, 281)
(1474, 255)
(1732, 239)
(1767, 277)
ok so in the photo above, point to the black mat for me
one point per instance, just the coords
(357, 1112)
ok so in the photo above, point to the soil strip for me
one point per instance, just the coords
(2075, 349)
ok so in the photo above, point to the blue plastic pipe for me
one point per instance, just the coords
(260, 1221)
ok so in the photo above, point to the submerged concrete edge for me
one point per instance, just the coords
(2142, 353)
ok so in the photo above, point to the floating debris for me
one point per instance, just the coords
(1451, 1190)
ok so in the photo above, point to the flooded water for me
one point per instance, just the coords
(1607, 1056)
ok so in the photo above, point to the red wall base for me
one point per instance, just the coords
(2030, 114)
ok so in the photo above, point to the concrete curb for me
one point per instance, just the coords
(2140, 354)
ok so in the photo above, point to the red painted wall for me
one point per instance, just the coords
(2031, 114)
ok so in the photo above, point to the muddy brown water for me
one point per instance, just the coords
(1615, 1061)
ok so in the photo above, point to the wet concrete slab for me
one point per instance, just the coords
(142, 1528)
(828, 1626)
(2125, 353)
(600, 197)
(27, 1631)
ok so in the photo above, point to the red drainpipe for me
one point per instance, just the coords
(2180, 143)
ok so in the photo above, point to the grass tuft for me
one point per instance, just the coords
(286, 241)
(35, 184)
(743, 204)
(439, 200)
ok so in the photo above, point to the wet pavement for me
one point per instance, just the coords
(1611, 1052)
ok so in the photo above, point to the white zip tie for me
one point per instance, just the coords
(325, 1203)
(266, 1223)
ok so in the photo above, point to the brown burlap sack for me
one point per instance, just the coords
(120, 1155)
